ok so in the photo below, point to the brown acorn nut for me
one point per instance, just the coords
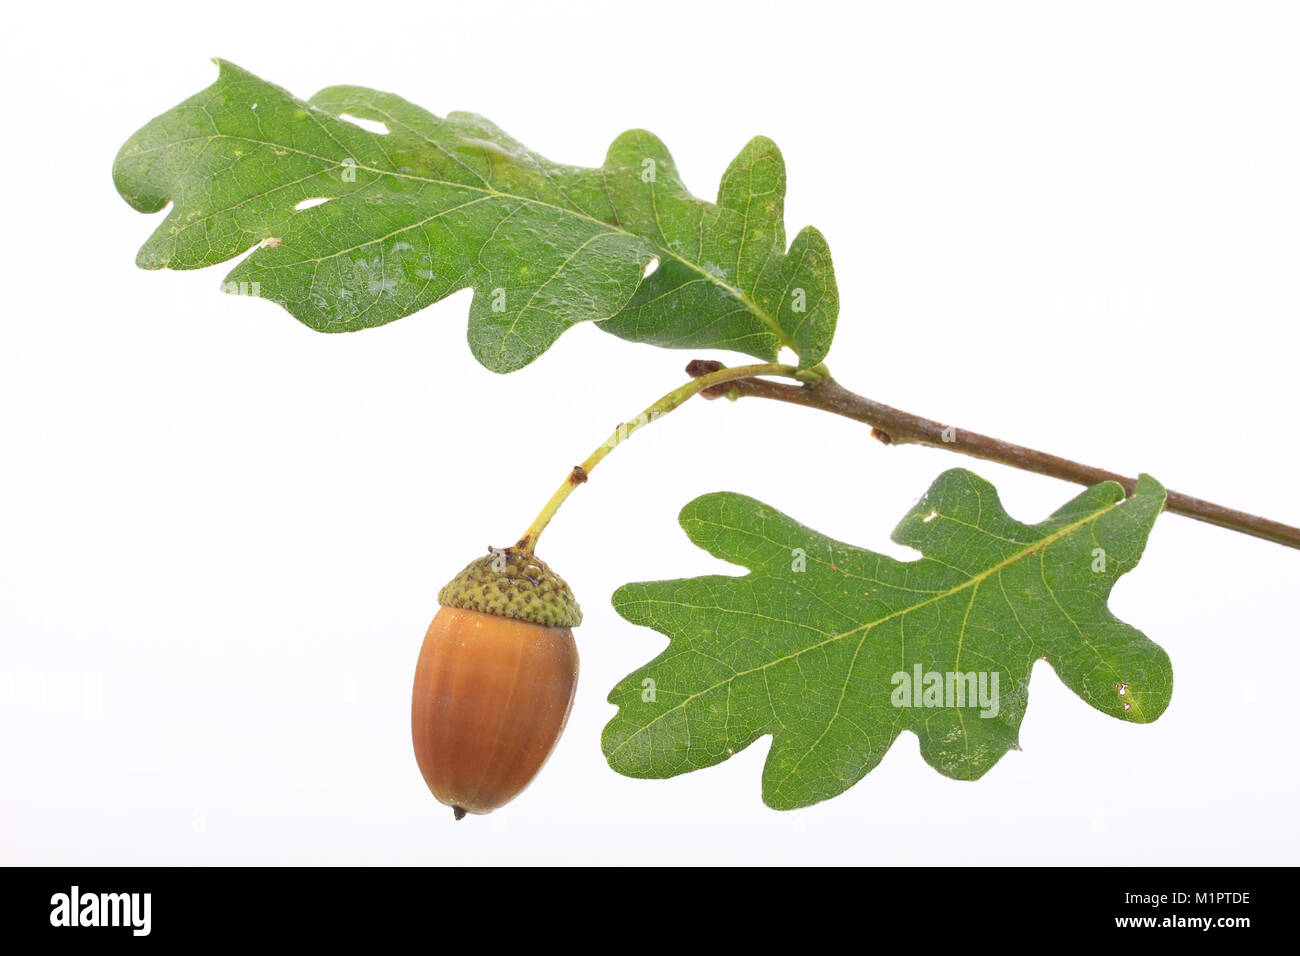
(495, 680)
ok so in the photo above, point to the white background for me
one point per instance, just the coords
(1073, 226)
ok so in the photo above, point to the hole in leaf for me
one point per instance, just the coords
(373, 126)
(930, 517)
(308, 203)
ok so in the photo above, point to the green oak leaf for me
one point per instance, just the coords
(404, 218)
(769, 297)
(809, 645)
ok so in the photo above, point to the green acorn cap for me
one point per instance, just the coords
(513, 583)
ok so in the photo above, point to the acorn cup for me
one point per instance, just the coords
(495, 680)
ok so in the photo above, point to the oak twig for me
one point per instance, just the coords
(895, 427)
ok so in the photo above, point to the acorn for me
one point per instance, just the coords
(495, 680)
